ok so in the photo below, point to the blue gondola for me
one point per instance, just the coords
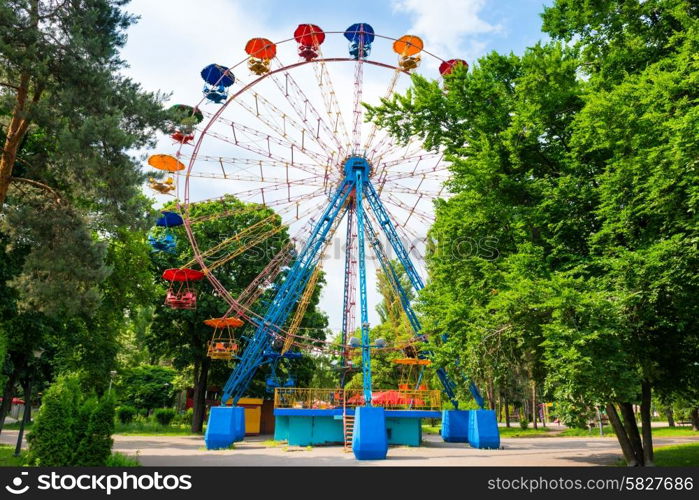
(217, 79)
(165, 241)
(169, 219)
(360, 37)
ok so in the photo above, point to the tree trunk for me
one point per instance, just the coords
(491, 394)
(695, 419)
(26, 390)
(199, 396)
(507, 413)
(632, 430)
(621, 436)
(16, 130)
(534, 408)
(646, 424)
(7, 396)
(670, 417)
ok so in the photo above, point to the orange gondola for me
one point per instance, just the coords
(408, 47)
(223, 344)
(261, 51)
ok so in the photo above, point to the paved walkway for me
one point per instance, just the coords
(537, 451)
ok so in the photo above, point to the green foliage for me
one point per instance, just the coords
(523, 423)
(73, 176)
(125, 414)
(146, 387)
(184, 418)
(53, 439)
(164, 416)
(567, 253)
(71, 429)
(95, 441)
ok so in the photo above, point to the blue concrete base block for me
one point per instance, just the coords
(455, 424)
(369, 441)
(226, 425)
(281, 428)
(483, 429)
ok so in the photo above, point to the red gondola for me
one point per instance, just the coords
(180, 295)
(448, 66)
(309, 37)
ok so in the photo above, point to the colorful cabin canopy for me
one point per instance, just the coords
(261, 51)
(408, 45)
(166, 162)
(184, 274)
(224, 322)
(360, 33)
(180, 295)
(182, 113)
(261, 48)
(448, 66)
(223, 344)
(215, 74)
(169, 219)
(309, 35)
(181, 122)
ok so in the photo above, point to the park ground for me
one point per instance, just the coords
(551, 447)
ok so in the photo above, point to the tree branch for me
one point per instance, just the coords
(40, 185)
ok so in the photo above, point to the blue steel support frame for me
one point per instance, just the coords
(347, 289)
(389, 229)
(366, 349)
(392, 235)
(285, 298)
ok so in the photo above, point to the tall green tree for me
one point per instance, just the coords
(577, 162)
(68, 120)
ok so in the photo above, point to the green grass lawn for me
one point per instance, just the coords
(153, 429)
(676, 455)
(519, 432)
(674, 432)
(609, 432)
(15, 425)
(7, 458)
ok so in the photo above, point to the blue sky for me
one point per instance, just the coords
(174, 39)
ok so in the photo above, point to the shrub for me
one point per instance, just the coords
(95, 444)
(164, 415)
(524, 423)
(71, 429)
(125, 414)
(52, 439)
(185, 417)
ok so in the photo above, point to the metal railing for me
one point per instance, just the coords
(325, 399)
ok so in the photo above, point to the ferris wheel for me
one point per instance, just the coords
(284, 128)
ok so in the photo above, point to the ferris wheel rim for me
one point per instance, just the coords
(185, 204)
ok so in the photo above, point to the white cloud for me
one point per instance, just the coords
(448, 26)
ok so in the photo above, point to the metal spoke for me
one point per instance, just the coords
(357, 110)
(332, 107)
(312, 124)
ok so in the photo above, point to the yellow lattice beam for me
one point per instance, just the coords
(301, 308)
